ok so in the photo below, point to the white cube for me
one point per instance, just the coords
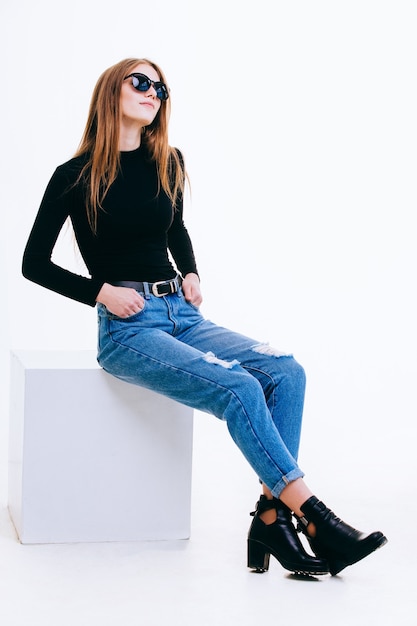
(93, 458)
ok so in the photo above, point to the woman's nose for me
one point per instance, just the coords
(151, 91)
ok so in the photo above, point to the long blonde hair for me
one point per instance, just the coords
(100, 140)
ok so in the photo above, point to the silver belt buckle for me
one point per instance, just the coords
(171, 284)
(155, 288)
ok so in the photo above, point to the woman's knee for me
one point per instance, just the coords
(290, 373)
(298, 372)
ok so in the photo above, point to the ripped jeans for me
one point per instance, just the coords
(171, 348)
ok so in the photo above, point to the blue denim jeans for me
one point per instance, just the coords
(171, 348)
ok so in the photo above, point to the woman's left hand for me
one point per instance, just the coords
(191, 289)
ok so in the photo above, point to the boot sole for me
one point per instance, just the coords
(259, 556)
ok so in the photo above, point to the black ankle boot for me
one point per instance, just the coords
(334, 540)
(281, 540)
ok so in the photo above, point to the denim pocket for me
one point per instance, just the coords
(193, 306)
(187, 303)
(115, 318)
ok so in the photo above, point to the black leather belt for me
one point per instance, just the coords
(158, 289)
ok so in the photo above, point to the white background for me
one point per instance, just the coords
(298, 125)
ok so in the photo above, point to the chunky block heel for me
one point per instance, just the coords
(281, 540)
(258, 556)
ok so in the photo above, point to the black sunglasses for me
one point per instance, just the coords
(143, 83)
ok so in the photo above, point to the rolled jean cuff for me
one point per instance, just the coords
(286, 480)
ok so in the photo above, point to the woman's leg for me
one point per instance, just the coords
(294, 495)
(283, 384)
(154, 349)
(281, 377)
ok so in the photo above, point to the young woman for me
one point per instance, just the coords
(123, 192)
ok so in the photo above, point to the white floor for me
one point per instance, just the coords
(204, 581)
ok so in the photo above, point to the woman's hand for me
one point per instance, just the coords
(191, 289)
(121, 301)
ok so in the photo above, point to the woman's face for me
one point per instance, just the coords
(139, 107)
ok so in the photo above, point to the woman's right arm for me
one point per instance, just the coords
(37, 264)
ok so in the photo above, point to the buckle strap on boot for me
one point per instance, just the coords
(302, 523)
(264, 504)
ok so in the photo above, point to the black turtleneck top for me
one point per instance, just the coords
(137, 228)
